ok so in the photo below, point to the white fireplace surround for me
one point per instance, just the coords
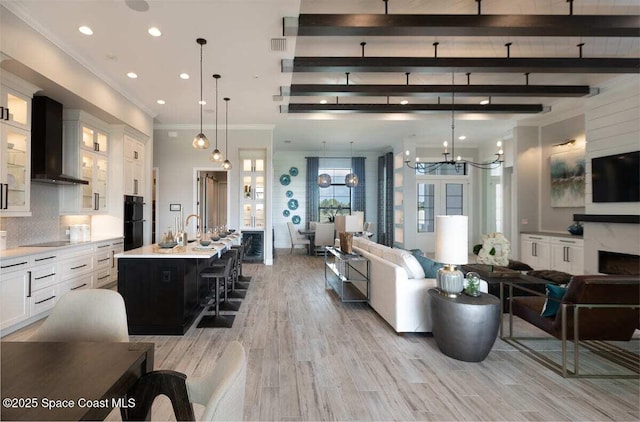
(612, 237)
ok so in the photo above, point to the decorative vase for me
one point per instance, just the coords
(472, 287)
(346, 242)
(576, 228)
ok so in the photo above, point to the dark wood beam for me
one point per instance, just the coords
(463, 25)
(410, 108)
(462, 64)
(371, 90)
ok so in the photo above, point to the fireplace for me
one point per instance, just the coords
(618, 263)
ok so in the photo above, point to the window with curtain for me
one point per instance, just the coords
(336, 199)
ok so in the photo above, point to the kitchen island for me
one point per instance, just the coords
(161, 288)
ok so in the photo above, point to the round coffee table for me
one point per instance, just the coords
(465, 327)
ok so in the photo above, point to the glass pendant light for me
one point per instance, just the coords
(200, 141)
(351, 179)
(227, 164)
(216, 155)
(324, 180)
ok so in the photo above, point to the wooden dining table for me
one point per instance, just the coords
(70, 381)
(311, 235)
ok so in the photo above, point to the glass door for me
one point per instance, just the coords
(16, 172)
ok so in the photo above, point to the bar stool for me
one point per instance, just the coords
(233, 255)
(246, 245)
(219, 274)
(239, 284)
(224, 303)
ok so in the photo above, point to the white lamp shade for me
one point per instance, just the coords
(452, 239)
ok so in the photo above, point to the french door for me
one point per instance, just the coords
(438, 197)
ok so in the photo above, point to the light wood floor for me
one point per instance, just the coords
(312, 357)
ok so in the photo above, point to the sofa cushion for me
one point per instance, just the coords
(429, 266)
(405, 260)
(518, 266)
(377, 249)
(551, 306)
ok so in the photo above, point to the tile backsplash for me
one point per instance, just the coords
(45, 223)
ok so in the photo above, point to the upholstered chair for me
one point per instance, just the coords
(296, 238)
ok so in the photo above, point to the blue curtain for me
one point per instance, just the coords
(359, 194)
(313, 191)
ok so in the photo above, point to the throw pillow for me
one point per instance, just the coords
(405, 260)
(518, 266)
(551, 307)
(429, 266)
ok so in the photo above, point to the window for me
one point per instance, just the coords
(336, 199)
(426, 204)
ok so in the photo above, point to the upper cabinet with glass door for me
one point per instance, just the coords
(253, 176)
(15, 145)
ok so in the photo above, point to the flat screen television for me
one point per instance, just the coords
(616, 178)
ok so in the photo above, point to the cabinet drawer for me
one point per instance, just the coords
(77, 283)
(43, 300)
(535, 238)
(103, 258)
(103, 276)
(564, 241)
(43, 276)
(72, 267)
(15, 264)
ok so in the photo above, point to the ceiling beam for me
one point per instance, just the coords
(371, 90)
(410, 108)
(461, 64)
(463, 25)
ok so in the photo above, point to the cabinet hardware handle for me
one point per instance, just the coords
(2, 197)
(8, 114)
(104, 276)
(6, 195)
(14, 265)
(78, 287)
(135, 155)
(536, 238)
(44, 276)
(96, 147)
(96, 201)
(29, 293)
(79, 266)
(103, 246)
(104, 259)
(42, 259)
(45, 300)
(113, 259)
(135, 186)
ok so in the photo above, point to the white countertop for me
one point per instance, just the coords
(31, 250)
(192, 250)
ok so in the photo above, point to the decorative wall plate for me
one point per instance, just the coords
(295, 219)
(286, 213)
(289, 194)
(285, 179)
(292, 204)
(293, 171)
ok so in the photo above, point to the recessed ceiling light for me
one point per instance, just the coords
(161, 102)
(132, 75)
(202, 102)
(323, 101)
(462, 137)
(184, 76)
(484, 102)
(85, 30)
(154, 32)
(404, 102)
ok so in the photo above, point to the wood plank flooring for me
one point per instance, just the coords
(311, 357)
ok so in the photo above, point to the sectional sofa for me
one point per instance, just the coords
(398, 286)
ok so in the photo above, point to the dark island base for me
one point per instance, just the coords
(162, 295)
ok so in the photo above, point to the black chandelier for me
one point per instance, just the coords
(450, 158)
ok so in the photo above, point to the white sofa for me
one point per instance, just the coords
(398, 289)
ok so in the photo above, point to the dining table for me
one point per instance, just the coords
(47, 381)
(311, 235)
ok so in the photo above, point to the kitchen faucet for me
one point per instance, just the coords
(186, 223)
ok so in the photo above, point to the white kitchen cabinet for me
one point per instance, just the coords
(535, 250)
(15, 171)
(134, 180)
(14, 290)
(82, 282)
(86, 152)
(103, 264)
(252, 197)
(117, 247)
(567, 255)
(15, 101)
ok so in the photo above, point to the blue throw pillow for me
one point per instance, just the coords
(429, 266)
(551, 307)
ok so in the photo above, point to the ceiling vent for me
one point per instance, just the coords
(278, 44)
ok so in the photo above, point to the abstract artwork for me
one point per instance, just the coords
(567, 178)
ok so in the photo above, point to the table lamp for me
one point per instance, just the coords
(451, 250)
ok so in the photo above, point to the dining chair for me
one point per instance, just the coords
(221, 390)
(325, 236)
(86, 315)
(296, 238)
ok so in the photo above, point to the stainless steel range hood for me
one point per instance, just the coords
(46, 143)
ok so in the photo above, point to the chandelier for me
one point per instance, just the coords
(324, 180)
(200, 141)
(450, 158)
(351, 179)
(216, 155)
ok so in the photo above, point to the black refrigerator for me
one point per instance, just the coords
(133, 222)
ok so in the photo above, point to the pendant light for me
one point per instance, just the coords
(351, 179)
(216, 155)
(324, 180)
(200, 141)
(227, 164)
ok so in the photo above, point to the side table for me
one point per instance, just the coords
(465, 327)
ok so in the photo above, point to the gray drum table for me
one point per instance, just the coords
(465, 327)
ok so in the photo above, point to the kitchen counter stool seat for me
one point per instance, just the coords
(219, 274)
(234, 292)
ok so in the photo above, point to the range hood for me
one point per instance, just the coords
(46, 143)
